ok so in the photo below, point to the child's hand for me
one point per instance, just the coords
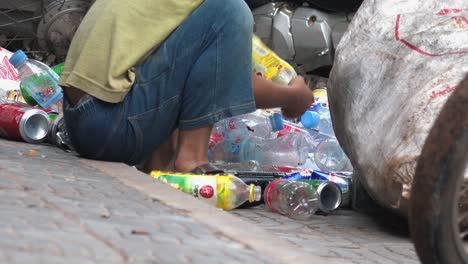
(301, 98)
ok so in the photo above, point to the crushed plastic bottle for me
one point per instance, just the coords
(289, 150)
(263, 125)
(297, 200)
(225, 140)
(225, 191)
(228, 134)
(38, 80)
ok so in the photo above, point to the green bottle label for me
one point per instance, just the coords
(27, 97)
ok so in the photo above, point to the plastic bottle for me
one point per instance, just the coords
(225, 191)
(226, 138)
(314, 137)
(228, 134)
(318, 116)
(319, 120)
(58, 69)
(263, 125)
(290, 150)
(38, 80)
(329, 156)
(298, 200)
(269, 65)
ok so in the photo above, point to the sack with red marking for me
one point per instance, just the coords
(394, 69)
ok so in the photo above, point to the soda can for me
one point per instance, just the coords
(315, 177)
(58, 135)
(23, 123)
(57, 125)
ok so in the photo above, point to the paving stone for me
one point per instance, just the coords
(341, 235)
(57, 210)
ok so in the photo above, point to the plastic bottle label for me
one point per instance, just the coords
(211, 188)
(269, 196)
(269, 65)
(203, 187)
(318, 176)
(44, 89)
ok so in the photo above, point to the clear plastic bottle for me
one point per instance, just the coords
(298, 200)
(329, 156)
(320, 121)
(314, 137)
(225, 191)
(263, 125)
(228, 134)
(40, 81)
(318, 116)
(226, 138)
(291, 149)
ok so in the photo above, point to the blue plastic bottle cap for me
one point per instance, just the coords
(18, 58)
(276, 121)
(310, 119)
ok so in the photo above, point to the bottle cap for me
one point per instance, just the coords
(276, 121)
(310, 119)
(18, 58)
(255, 193)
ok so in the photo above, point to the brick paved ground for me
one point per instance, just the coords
(343, 234)
(57, 208)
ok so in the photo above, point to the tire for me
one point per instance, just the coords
(437, 185)
(326, 5)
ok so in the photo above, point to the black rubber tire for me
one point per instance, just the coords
(437, 183)
(326, 5)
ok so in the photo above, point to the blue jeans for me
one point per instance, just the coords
(199, 75)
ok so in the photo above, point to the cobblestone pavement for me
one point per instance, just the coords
(58, 208)
(55, 210)
(342, 235)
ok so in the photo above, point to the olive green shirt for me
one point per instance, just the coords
(116, 35)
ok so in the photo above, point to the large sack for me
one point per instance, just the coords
(9, 79)
(393, 71)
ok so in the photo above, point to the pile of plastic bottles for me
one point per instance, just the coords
(33, 113)
(269, 139)
(299, 164)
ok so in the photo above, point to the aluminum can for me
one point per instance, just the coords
(316, 178)
(23, 123)
(57, 125)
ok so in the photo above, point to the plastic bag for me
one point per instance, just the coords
(394, 70)
(9, 79)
